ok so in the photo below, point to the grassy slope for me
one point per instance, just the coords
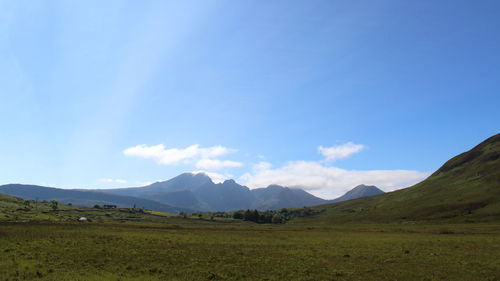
(464, 189)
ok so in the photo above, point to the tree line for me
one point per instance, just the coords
(253, 215)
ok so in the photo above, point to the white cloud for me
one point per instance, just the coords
(214, 164)
(317, 177)
(113, 181)
(216, 177)
(262, 166)
(328, 182)
(194, 153)
(340, 151)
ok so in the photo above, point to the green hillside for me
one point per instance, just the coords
(464, 189)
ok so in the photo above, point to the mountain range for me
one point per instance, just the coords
(198, 191)
(464, 189)
(187, 192)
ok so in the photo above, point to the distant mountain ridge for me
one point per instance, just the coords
(187, 192)
(198, 191)
(359, 191)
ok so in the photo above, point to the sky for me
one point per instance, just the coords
(323, 95)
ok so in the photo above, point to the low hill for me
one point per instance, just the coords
(465, 189)
(84, 198)
(7, 201)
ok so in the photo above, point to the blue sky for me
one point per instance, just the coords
(119, 93)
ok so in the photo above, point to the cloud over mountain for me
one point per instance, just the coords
(319, 177)
(204, 158)
(327, 181)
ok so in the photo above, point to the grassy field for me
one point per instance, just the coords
(184, 249)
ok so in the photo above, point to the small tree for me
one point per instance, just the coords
(247, 215)
(238, 215)
(97, 206)
(27, 204)
(255, 216)
(277, 219)
(54, 205)
(265, 217)
(251, 215)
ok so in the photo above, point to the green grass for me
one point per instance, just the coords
(192, 250)
(38, 243)
(158, 213)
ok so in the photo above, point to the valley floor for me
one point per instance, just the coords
(185, 250)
